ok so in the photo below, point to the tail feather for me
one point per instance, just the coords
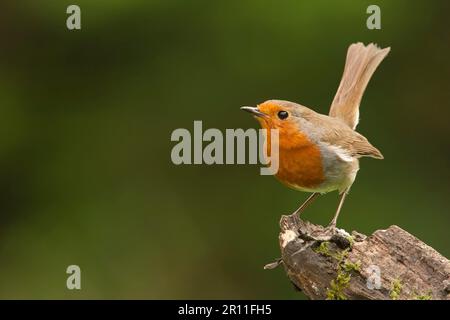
(361, 63)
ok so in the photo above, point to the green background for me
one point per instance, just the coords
(86, 118)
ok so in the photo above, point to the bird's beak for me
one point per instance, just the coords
(255, 111)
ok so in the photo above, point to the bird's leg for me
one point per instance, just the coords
(305, 204)
(332, 224)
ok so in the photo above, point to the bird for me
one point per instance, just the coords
(320, 153)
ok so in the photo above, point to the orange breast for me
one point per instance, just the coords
(301, 167)
(300, 161)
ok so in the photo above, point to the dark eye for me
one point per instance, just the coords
(283, 115)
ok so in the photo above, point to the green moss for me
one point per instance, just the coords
(323, 249)
(351, 239)
(344, 270)
(352, 266)
(340, 256)
(342, 281)
(423, 296)
(337, 286)
(396, 289)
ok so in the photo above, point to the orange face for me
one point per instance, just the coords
(300, 163)
(282, 118)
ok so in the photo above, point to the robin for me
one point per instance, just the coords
(320, 153)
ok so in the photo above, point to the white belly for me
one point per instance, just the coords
(339, 168)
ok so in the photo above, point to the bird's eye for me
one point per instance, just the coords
(283, 114)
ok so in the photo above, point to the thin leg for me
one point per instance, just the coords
(305, 204)
(336, 215)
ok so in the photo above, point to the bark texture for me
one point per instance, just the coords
(389, 264)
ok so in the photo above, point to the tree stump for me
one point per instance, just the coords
(389, 264)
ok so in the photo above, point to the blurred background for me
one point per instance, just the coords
(86, 118)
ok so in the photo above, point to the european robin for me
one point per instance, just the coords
(320, 153)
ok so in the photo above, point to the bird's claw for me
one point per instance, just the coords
(331, 233)
(331, 229)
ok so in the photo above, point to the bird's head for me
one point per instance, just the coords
(285, 116)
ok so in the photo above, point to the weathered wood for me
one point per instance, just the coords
(389, 264)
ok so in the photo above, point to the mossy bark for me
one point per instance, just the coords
(389, 264)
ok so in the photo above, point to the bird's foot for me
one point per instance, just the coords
(331, 229)
(325, 234)
(333, 234)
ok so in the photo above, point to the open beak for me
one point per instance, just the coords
(255, 111)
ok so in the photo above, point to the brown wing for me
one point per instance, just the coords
(336, 133)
